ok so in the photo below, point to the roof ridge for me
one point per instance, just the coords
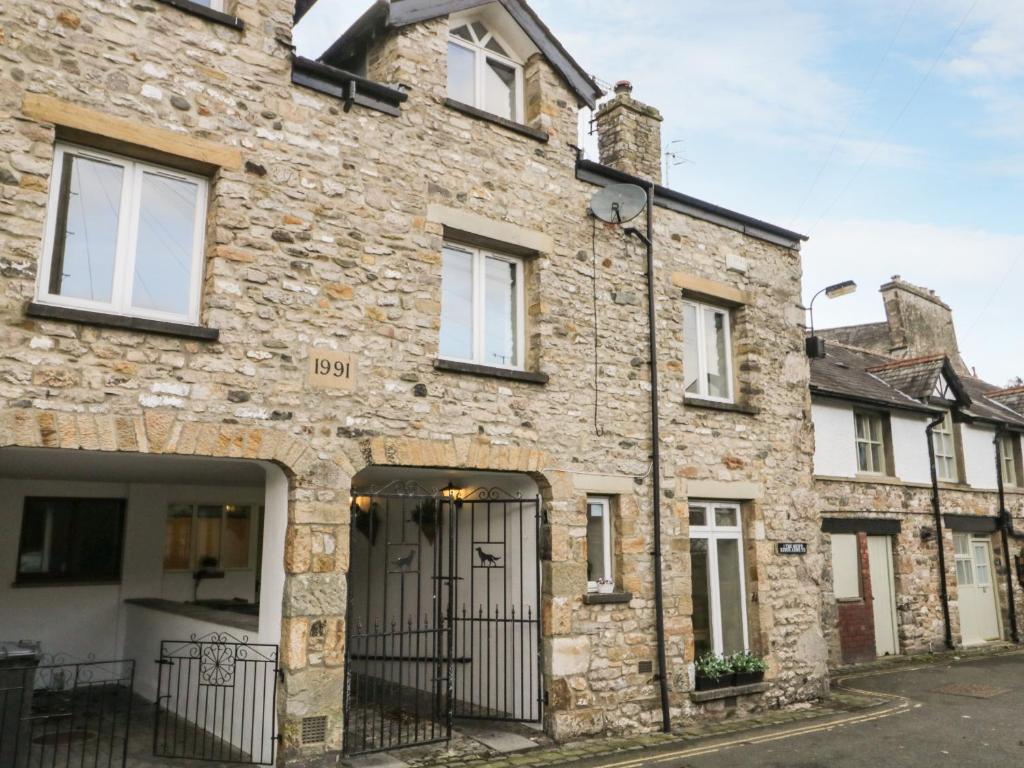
(906, 363)
(1019, 390)
(852, 348)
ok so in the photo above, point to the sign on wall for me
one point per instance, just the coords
(331, 370)
(792, 548)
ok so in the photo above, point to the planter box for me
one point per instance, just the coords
(713, 683)
(748, 678)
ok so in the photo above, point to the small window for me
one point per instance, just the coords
(123, 237)
(207, 535)
(707, 352)
(964, 562)
(845, 567)
(870, 431)
(944, 441)
(1010, 459)
(718, 578)
(482, 73)
(482, 306)
(71, 540)
(215, 5)
(599, 542)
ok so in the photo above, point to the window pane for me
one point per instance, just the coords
(725, 516)
(731, 594)
(74, 539)
(596, 566)
(461, 74)
(961, 544)
(34, 540)
(237, 524)
(495, 46)
(500, 90)
(178, 538)
(479, 30)
(716, 340)
(862, 457)
(698, 516)
(97, 539)
(845, 566)
(500, 312)
(457, 305)
(964, 577)
(691, 347)
(875, 457)
(208, 537)
(463, 32)
(701, 596)
(166, 244)
(981, 563)
(84, 269)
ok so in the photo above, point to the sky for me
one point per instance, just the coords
(889, 131)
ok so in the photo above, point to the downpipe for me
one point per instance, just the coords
(937, 511)
(1006, 530)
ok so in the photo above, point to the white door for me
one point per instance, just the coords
(979, 612)
(883, 590)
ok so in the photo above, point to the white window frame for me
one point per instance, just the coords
(841, 579)
(480, 71)
(480, 256)
(1008, 457)
(606, 523)
(712, 533)
(702, 362)
(127, 238)
(943, 437)
(255, 512)
(871, 419)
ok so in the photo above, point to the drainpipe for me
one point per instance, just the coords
(659, 597)
(937, 510)
(1005, 530)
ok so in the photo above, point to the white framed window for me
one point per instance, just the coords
(707, 352)
(208, 535)
(123, 237)
(719, 583)
(482, 308)
(870, 439)
(482, 71)
(944, 441)
(1008, 459)
(845, 566)
(599, 541)
(964, 560)
(215, 5)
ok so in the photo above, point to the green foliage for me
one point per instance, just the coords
(747, 662)
(713, 666)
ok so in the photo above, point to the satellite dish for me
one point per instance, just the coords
(619, 203)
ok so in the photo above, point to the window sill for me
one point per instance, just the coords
(206, 13)
(703, 697)
(598, 598)
(529, 377)
(850, 600)
(511, 125)
(162, 327)
(714, 405)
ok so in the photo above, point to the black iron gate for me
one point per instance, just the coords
(64, 715)
(444, 614)
(217, 700)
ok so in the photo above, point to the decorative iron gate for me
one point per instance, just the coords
(217, 700)
(444, 614)
(67, 714)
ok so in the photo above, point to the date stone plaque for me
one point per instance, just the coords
(331, 370)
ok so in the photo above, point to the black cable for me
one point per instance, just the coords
(593, 247)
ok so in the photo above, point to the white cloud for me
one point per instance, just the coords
(974, 271)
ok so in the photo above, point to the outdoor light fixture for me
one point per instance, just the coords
(452, 493)
(816, 346)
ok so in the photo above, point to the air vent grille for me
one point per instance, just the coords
(314, 730)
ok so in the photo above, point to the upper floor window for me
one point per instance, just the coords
(944, 441)
(1010, 459)
(123, 237)
(483, 73)
(707, 352)
(482, 308)
(871, 443)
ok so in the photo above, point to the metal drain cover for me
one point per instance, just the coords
(972, 690)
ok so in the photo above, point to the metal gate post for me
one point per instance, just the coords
(453, 506)
(539, 517)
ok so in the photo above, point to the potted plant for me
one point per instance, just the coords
(605, 586)
(425, 515)
(749, 668)
(713, 671)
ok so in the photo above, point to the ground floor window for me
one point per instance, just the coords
(719, 589)
(208, 535)
(71, 540)
(599, 543)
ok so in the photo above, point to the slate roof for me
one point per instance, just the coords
(866, 336)
(917, 377)
(392, 14)
(1011, 398)
(843, 372)
(988, 407)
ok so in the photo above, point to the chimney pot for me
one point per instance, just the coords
(623, 87)
(629, 134)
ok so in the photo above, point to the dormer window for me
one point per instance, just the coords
(483, 72)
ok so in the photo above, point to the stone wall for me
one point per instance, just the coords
(322, 237)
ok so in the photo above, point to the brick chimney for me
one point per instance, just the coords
(920, 323)
(629, 134)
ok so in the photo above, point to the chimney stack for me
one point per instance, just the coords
(629, 134)
(920, 323)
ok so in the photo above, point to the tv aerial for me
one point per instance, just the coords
(619, 203)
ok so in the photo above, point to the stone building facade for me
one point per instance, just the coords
(875, 394)
(331, 195)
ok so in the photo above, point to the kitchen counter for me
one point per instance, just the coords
(203, 613)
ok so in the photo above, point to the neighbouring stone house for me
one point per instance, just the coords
(334, 354)
(875, 395)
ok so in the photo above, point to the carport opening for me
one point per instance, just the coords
(444, 604)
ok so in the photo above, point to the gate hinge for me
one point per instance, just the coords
(164, 662)
(544, 698)
(280, 673)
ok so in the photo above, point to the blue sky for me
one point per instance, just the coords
(891, 132)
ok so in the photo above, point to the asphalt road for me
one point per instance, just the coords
(962, 714)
